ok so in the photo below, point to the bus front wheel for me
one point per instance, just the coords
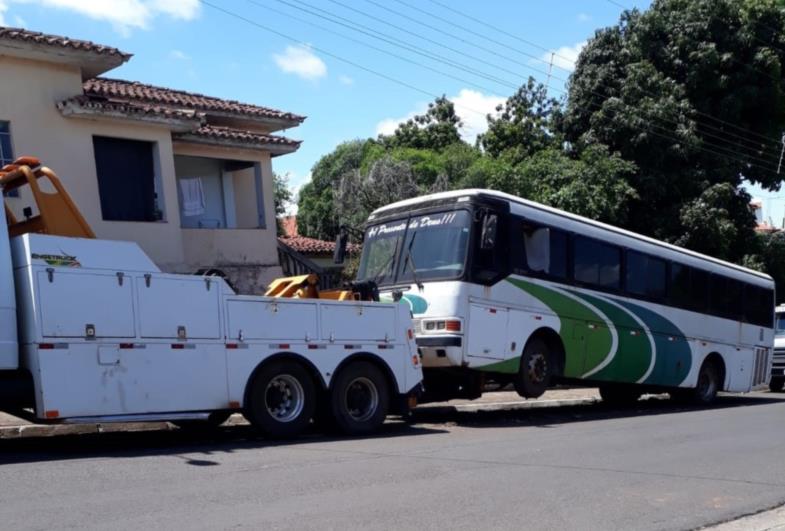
(536, 369)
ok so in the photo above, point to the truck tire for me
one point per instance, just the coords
(281, 399)
(536, 369)
(359, 398)
(619, 395)
(776, 386)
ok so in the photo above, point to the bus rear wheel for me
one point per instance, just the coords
(536, 369)
(705, 390)
(359, 398)
(282, 399)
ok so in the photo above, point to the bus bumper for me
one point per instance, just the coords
(441, 350)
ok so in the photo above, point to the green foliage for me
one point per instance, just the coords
(657, 88)
(524, 125)
(436, 129)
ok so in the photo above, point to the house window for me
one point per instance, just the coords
(126, 179)
(6, 150)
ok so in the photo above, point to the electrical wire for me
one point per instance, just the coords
(420, 90)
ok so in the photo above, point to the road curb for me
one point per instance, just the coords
(504, 406)
(769, 520)
(23, 431)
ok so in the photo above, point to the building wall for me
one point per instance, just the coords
(28, 96)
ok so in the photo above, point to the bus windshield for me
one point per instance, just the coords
(779, 325)
(429, 247)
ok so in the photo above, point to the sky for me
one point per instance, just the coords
(354, 68)
(350, 84)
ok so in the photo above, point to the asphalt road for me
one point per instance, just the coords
(655, 466)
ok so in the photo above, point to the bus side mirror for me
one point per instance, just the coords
(488, 235)
(339, 254)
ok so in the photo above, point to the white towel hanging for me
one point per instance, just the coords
(193, 196)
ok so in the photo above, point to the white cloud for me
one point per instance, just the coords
(124, 15)
(583, 17)
(565, 57)
(475, 123)
(19, 22)
(179, 55)
(302, 62)
(471, 106)
(346, 80)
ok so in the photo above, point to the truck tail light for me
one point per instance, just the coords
(452, 325)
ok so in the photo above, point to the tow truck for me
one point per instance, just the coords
(92, 331)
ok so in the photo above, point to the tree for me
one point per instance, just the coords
(282, 197)
(359, 194)
(316, 217)
(438, 128)
(668, 90)
(524, 126)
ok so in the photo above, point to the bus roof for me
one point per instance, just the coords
(413, 202)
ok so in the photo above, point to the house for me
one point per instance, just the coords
(186, 176)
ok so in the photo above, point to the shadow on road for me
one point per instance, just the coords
(196, 449)
(553, 416)
(193, 448)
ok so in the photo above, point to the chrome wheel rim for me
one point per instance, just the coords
(537, 368)
(361, 399)
(284, 398)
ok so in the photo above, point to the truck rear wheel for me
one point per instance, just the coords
(359, 398)
(282, 399)
(536, 369)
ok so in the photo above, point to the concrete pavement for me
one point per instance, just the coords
(654, 466)
(12, 427)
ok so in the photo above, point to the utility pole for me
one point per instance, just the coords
(548, 82)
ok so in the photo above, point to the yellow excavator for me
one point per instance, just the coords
(56, 214)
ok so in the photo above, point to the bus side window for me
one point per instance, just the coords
(597, 263)
(558, 258)
(537, 244)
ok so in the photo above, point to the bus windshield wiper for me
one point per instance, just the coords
(410, 260)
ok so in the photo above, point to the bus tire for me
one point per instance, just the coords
(708, 384)
(359, 398)
(619, 395)
(282, 399)
(536, 369)
(776, 386)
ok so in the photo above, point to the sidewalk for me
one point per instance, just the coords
(12, 427)
(772, 520)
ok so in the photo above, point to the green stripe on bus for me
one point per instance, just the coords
(674, 356)
(633, 349)
(571, 314)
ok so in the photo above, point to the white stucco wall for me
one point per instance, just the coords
(28, 93)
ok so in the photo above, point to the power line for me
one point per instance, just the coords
(328, 53)
(389, 39)
(752, 150)
(535, 45)
(382, 50)
(415, 88)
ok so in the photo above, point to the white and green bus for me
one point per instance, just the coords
(505, 290)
